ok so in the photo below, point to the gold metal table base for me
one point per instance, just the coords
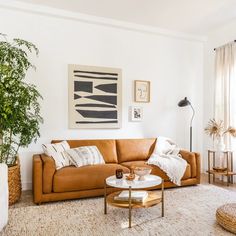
(152, 200)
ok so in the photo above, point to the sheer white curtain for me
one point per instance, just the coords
(225, 87)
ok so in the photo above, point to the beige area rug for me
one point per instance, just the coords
(188, 211)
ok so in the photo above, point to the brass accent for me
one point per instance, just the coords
(105, 197)
(227, 168)
(130, 207)
(162, 198)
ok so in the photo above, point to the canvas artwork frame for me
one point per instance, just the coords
(142, 91)
(136, 113)
(95, 97)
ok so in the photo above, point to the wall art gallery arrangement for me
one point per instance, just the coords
(136, 113)
(141, 91)
(94, 97)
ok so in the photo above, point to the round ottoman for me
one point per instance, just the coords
(226, 217)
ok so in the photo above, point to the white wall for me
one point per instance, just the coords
(216, 38)
(173, 65)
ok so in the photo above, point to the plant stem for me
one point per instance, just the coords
(17, 149)
(10, 142)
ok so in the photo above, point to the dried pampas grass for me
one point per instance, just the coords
(231, 131)
(215, 129)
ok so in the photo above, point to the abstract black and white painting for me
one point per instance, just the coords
(94, 97)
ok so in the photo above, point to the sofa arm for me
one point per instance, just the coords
(37, 178)
(193, 160)
(49, 169)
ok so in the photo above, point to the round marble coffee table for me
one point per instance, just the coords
(152, 199)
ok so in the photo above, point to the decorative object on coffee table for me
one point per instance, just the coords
(119, 173)
(183, 103)
(226, 217)
(142, 172)
(141, 91)
(20, 110)
(223, 171)
(131, 175)
(152, 199)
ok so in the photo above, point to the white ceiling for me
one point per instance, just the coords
(188, 16)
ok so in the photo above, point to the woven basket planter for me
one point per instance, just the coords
(14, 183)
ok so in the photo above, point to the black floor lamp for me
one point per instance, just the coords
(183, 103)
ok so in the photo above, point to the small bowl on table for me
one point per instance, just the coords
(220, 169)
(142, 172)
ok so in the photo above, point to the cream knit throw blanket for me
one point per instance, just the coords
(166, 156)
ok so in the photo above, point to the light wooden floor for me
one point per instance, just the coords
(218, 182)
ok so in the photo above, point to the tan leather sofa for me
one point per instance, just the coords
(70, 182)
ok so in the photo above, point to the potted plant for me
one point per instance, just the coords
(217, 131)
(19, 108)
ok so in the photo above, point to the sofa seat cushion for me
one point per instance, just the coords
(83, 178)
(156, 170)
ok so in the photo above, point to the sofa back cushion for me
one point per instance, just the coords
(107, 147)
(134, 149)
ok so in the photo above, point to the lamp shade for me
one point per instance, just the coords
(184, 102)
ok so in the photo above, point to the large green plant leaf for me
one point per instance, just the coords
(19, 107)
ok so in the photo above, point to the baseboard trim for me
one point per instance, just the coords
(26, 186)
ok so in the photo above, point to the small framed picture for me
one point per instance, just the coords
(136, 113)
(141, 91)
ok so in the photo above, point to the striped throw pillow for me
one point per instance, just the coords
(86, 155)
(56, 151)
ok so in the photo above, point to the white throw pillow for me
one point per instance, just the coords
(56, 151)
(86, 155)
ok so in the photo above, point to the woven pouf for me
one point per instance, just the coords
(226, 217)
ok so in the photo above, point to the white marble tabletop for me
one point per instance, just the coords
(150, 181)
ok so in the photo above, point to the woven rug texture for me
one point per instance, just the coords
(189, 211)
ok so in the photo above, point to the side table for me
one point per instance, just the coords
(229, 173)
